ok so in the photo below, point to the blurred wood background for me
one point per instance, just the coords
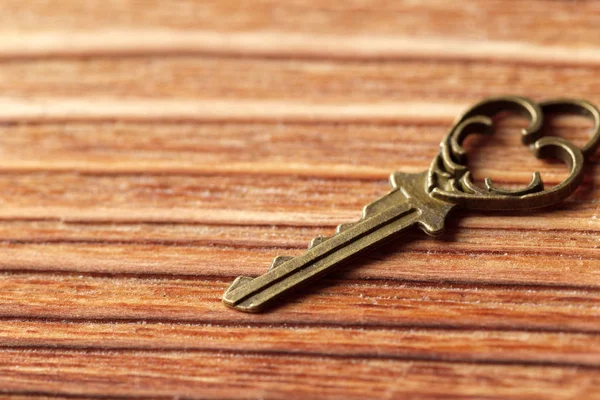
(153, 151)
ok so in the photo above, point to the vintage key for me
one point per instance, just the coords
(426, 198)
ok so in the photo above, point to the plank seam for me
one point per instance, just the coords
(300, 354)
(430, 328)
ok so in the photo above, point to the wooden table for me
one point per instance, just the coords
(153, 151)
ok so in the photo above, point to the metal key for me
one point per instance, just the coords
(426, 198)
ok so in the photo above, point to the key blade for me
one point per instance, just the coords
(254, 295)
(382, 220)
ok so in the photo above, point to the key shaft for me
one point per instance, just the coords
(382, 220)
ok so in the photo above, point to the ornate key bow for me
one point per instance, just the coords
(426, 198)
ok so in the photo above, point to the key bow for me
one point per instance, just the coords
(449, 178)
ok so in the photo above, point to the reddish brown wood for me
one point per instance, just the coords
(152, 151)
(190, 373)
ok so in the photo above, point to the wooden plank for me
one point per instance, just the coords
(214, 375)
(482, 346)
(404, 29)
(345, 151)
(341, 151)
(312, 82)
(365, 303)
(301, 91)
(537, 17)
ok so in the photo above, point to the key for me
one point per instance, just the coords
(425, 199)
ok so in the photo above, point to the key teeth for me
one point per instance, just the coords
(238, 282)
(343, 227)
(371, 209)
(277, 261)
(317, 241)
(367, 211)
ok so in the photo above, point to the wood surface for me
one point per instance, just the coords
(153, 151)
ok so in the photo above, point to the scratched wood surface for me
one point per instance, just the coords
(153, 151)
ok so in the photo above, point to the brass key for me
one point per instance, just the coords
(425, 199)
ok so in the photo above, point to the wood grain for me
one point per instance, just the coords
(153, 151)
(139, 373)
(482, 346)
(349, 302)
(362, 29)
